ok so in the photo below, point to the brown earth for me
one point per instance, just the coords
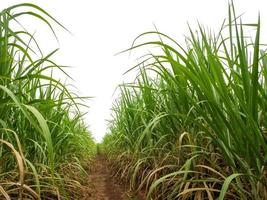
(102, 186)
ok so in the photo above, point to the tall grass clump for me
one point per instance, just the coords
(44, 143)
(193, 124)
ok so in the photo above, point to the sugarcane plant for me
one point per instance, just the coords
(42, 133)
(193, 123)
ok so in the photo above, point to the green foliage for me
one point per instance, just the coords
(194, 122)
(40, 120)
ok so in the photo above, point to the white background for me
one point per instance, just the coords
(102, 28)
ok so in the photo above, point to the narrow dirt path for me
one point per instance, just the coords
(102, 185)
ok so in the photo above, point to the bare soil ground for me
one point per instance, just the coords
(102, 186)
